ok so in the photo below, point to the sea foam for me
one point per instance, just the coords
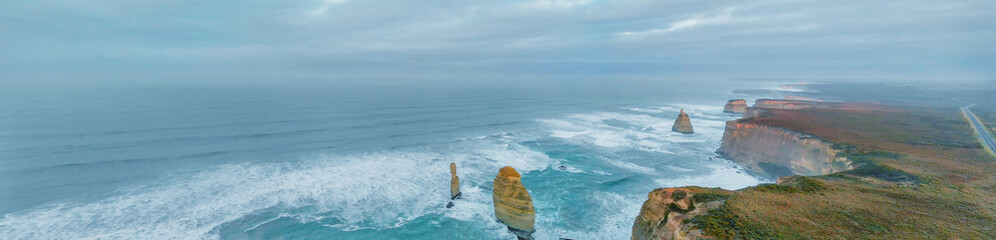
(379, 190)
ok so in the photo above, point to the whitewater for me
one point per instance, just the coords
(370, 163)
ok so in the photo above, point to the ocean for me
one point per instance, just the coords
(349, 162)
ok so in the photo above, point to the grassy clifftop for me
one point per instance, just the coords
(926, 178)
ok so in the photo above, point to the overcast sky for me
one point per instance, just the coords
(170, 42)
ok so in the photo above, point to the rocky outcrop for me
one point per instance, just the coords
(454, 185)
(683, 124)
(513, 206)
(735, 106)
(776, 152)
(662, 215)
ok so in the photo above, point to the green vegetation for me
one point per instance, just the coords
(918, 174)
(709, 197)
(798, 184)
(723, 223)
(678, 195)
(868, 166)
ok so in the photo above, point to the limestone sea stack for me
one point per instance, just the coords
(454, 185)
(682, 124)
(513, 206)
(735, 106)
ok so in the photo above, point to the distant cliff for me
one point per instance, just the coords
(782, 104)
(776, 152)
(735, 106)
(796, 104)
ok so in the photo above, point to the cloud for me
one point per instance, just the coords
(554, 4)
(325, 6)
(317, 40)
(680, 25)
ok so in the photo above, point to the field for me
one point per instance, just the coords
(988, 115)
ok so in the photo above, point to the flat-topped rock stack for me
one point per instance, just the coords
(683, 124)
(735, 106)
(513, 206)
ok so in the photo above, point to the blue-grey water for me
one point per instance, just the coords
(347, 163)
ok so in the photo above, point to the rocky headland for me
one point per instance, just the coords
(664, 213)
(776, 152)
(845, 171)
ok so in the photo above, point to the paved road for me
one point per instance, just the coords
(981, 129)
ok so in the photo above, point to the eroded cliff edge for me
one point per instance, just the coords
(775, 152)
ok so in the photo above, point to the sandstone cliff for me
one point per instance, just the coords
(683, 124)
(513, 206)
(776, 152)
(735, 106)
(663, 214)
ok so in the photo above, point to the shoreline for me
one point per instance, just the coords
(880, 160)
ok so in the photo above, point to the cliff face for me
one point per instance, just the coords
(770, 151)
(682, 124)
(777, 152)
(735, 106)
(662, 215)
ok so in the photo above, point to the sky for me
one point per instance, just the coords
(252, 42)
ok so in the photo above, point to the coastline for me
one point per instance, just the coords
(882, 163)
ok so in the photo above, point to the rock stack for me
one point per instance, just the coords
(682, 124)
(735, 106)
(454, 185)
(513, 206)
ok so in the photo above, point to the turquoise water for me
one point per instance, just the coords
(347, 163)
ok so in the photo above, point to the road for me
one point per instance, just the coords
(981, 129)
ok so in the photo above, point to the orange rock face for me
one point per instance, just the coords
(662, 215)
(735, 106)
(513, 205)
(454, 182)
(777, 152)
(683, 124)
